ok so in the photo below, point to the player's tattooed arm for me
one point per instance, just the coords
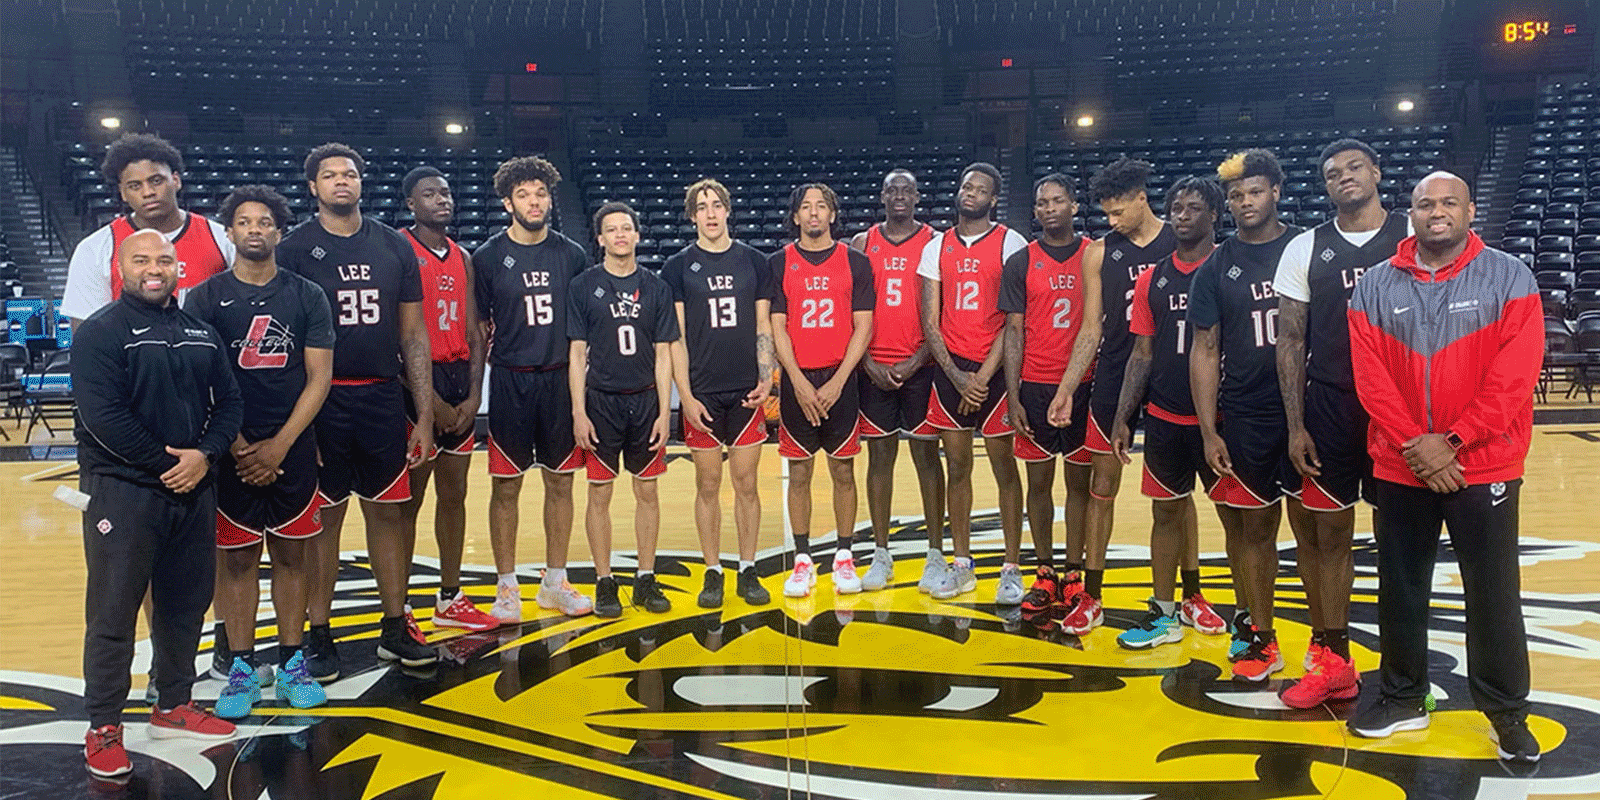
(1205, 376)
(1014, 334)
(418, 357)
(766, 355)
(1291, 356)
(1135, 379)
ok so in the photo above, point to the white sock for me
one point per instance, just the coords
(1167, 606)
(643, 572)
(744, 565)
(508, 579)
(554, 576)
(717, 568)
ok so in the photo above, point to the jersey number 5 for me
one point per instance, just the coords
(358, 306)
(541, 309)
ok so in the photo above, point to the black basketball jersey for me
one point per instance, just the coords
(1168, 304)
(1336, 265)
(1233, 289)
(1120, 269)
(622, 319)
(719, 293)
(365, 277)
(522, 290)
(266, 330)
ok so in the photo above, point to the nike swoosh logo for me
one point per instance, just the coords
(137, 331)
(1402, 310)
(224, 302)
(1497, 501)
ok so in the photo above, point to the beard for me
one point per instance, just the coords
(977, 213)
(532, 226)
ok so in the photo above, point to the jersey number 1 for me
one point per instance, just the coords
(724, 312)
(541, 310)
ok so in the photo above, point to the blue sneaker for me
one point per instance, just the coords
(1153, 630)
(241, 693)
(296, 686)
(1244, 632)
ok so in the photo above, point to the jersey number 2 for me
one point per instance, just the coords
(816, 313)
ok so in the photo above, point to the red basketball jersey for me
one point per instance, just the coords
(444, 298)
(1054, 315)
(817, 298)
(198, 255)
(897, 318)
(969, 276)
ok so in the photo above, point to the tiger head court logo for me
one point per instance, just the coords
(884, 694)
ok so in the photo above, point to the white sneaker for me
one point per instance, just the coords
(563, 597)
(958, 580)
(801, 579)
(881, 573)
(933, 570)
(845, 580)
(1009, 591)
(507, 608)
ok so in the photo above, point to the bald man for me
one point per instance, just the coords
(157, 404)
(1446, 340)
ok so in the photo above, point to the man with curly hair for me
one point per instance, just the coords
(148, 173)
(522, 274)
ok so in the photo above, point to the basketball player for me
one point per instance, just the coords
(148, 172)
(622, 324)
(457, 345)
(1327, 425)
(723, 365)
(1051, 295)
(277, 332)
(370, 277)
(521, 278)
(961, 321)
(821, 322)
(1233, 374)
(1158, 368)
(898, 373)
(1138, 239)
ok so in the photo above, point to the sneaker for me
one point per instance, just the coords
(151, 694)
(881, 573)
(606, 603)
(933, 571)
(412, 629)
(1513, 741)
(396, 643)
(295, 686)
(1314, 653)
(1084, 615)
(1044, 593)
(241, 694)
(647, 593)
(322, 655)
(1330, 678)
(1258, 661)
(1008, 592)
(801, 579)
(957, 580)
(711, 593)
(221, 662)
(1197, 613)
(1154, 630)
(461, 613)
(188, 720)
(1244, 632)
(1071, 586)
(507, 608)
(1387, 717)
(103, 752)
(750, 588)
(569, 601)
(845, 579)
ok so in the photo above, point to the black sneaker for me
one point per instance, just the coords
(711, 595)
(221, 657)
(396, 643)
(606, 603)
(750, 588)
(1387, 716)
(322, 655)
(1513, 740)
(647, 593)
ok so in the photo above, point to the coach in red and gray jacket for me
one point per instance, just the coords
(1446, 339)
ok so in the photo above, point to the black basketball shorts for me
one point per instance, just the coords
(530, 422)
(888, 413)
(361, 433)
(622, 424)
(287, 507)
(836, 434)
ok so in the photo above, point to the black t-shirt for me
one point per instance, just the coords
(1233, 288)
(1336, 265)
(622, 319)
(522, 290)
(366, 277)
(719, 293)
(266, 330)
(1119, 271)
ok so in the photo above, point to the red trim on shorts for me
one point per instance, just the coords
(598, 471)
(1230, 491)
(939, 417)
(1153, 488)
(306, 524)
(1095, 440)
(788, 447)
(924, 430)
(754, 432)
(1177, 419)
(574, 460)
(655, 468)
(1315, 498)
(232, 536)
(997, 424)
(359, 381)
(698, 439)
(398, 490)
(1081, 456)
(851, 446)
(1026, 449)
(464, 449)
(500, 465)
(865, 427)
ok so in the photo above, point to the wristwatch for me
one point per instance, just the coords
(1453, 439)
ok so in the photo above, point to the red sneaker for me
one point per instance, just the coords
(1197, 613)
(1085, 615)
(188, 720)
(1314, 653)
(1258, 662)
(1331, 678)
(1044, 593)
(461, 613)
(412, 630)
(103, 753)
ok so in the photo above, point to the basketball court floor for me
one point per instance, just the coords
(878, 695)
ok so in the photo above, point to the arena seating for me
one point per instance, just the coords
(736, 75)
(816, 21)
(979, 25)
(1555, 222)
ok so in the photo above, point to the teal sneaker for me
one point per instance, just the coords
(241, 693)
(296, 686)
(1244, 632)
(1153, 630)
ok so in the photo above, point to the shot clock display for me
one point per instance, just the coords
(1533, 30)
(1534, 38)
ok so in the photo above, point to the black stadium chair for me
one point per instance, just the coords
(1517, 244)
(1564, 281)
(1553, 243)
(1583, 300)
(1565, 227)
(1556, 262)
(1554, 302)
(1589, 279)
